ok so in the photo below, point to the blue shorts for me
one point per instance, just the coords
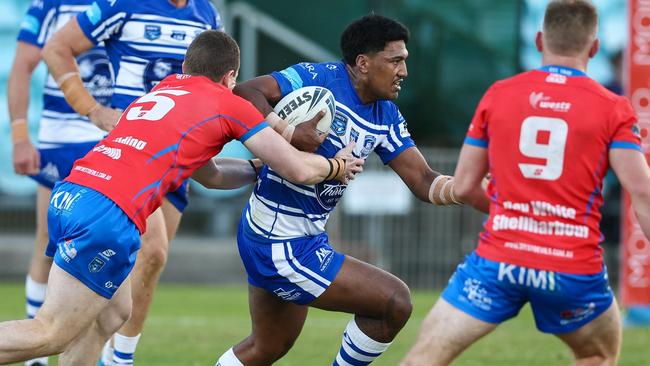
(56, 164)
(91, 238)
(495, 291)
(298, 270)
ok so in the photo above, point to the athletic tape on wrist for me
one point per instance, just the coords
(441, 191)
(76, 94)
(19, 130)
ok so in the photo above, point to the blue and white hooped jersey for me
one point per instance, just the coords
(59, 122)
(279, 209)
(145, 40)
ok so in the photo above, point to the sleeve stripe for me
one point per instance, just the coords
(475, 142)
(253, 131)
(625, 145)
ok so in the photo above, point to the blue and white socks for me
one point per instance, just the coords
(358, 349)
(229, 359)
(123, 349)
(35, 295)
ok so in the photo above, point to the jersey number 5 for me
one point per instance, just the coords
(162, 105)
(543, 138)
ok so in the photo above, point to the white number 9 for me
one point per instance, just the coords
(553, 151)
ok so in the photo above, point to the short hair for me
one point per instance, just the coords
(370, 34)
(212, 54)
(569, 26)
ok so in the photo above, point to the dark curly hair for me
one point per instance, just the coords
(370, 34)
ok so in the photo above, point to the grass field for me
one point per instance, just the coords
(192, 325)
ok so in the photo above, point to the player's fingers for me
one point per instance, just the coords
(35, 164)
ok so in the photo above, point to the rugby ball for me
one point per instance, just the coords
(303, 104)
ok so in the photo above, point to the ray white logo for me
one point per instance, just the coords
(541, 101)
(131, 141)
(112, 152)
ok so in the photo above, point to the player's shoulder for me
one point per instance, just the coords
(322, 70)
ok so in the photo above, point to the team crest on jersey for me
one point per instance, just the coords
(159, 69)
(178, 35)
(152, 32)
(340, 123)
(368, 145)
(96, 265)
(354, 134)
(95, 72)
(328, 193)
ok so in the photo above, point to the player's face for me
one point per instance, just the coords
(387, 69)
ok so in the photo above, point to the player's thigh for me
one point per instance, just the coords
(70, 306)
(600, 337)
(275, 321)
(43, 195)
(154, 239)
(172, 217)
(360, 288)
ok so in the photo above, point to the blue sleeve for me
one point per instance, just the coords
(300, 75)
(37, 22)
(218, 22)
(397, 138)
(103, 19)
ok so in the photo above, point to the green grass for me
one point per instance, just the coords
(192, 325)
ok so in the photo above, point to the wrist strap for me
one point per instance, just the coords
(337, 169)
(441, 191)
(76, 94)
(19, 130)
(257, 173)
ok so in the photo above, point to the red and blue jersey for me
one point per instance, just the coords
(161, 139)
(548, 133)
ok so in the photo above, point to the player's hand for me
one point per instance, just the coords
(105, 118)
(26, 159)
(353, 165)
(306, 137)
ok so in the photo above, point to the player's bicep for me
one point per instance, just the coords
(70, 38)
(260, 91)
(27, 57)
(631, 168)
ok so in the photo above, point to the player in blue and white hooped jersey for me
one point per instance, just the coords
(282, 238)
(145, 42)
(63, 137)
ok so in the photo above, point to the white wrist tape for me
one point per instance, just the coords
(441, 191)
(280, 126)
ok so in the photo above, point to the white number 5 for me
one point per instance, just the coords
(551, 150)
(163, 104)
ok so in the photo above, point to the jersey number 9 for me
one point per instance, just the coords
(543, 138)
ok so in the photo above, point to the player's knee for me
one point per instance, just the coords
(154, 257)
(114, 317)
(399, 306)
(268, 352)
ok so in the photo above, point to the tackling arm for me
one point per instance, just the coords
(227, 173)
(26, 159)
(301, 167)
(469, 175)
(632, 170)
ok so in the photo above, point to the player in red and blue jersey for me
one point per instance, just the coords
(96, 216)
(547, 138)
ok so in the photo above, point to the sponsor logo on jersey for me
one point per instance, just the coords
(287, 295)
(107, 253)
(477, 294)
(112, 152)
(541, 101)
(131, 141)
(63, 200)
(331, 66)
(556, 78)
(340, 123)
(93, 172)
(95, 72)
(38, 4)
(328, 193)
(178, 35)
(159, 69)
(152, 32)
(108, 284)
(403, 131)
(324, 256)
(96, 265)
(68, 251)
(354, 134)
(94, 14)
(310, 68)
(529, 277)
(368, 145)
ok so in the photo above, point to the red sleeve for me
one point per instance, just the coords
(625, 130)
(243, 120)
(477, 132)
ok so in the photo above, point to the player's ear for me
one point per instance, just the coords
(229, 79)
(539, 41)
(362, 63)
(593, 50)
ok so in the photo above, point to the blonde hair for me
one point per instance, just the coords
(569, 26)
